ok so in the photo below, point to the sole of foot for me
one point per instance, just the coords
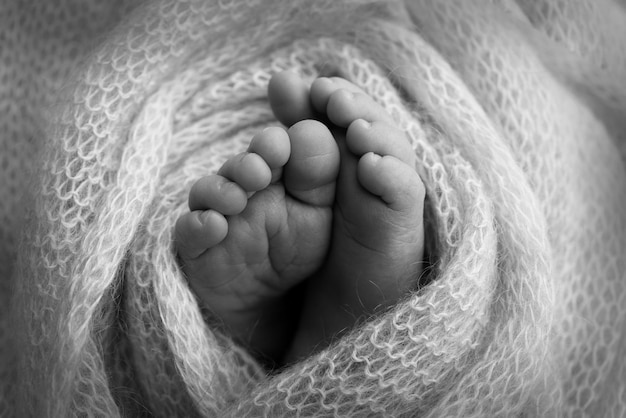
(257, 228)
(377, 240)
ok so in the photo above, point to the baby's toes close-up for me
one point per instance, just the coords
(344, 102)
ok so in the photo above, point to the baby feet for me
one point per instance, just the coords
(377, 239)
(241, 254)
(341, 210)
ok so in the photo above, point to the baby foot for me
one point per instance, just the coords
(378, 234)
(242, 253)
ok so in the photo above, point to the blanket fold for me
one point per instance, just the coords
(512, 109)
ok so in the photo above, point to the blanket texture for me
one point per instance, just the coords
(515, 109)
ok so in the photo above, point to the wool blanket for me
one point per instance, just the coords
(515, 110)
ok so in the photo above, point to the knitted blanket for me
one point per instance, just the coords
(111, 110)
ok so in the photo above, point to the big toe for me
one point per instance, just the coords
(311, 172)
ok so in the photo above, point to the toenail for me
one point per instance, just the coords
(364, 124)
(226, 186)
(348, 94)
(205, 216)
(374, 157)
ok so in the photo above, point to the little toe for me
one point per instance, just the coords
(344, 107)
(323, 87)
(289, 98)
(197, 231)
(248, 170)
(311, 172)
(380, 138)
(218, 193)
(396, 183)
(344, 102)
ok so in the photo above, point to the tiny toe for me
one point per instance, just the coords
(397, 184)
(218, 193)
(380, 138)
(344, 107)
(248, 170)
(289, 98)
(273, 145)
(312, 169)
(343, 102)
(198, 231)
(323, 87)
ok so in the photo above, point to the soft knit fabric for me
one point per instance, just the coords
(110, 110)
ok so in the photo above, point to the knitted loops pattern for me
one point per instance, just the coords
(113, 109)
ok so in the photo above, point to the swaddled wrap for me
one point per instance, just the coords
(513, 110)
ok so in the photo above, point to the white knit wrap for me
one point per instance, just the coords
(513, 110)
